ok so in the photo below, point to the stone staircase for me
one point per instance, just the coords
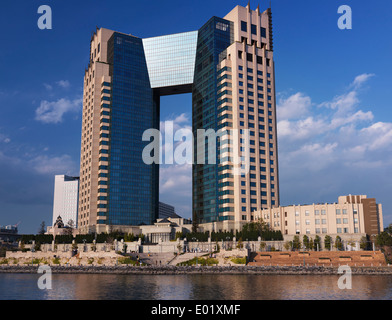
(183, 257)
(154, 259)
(319, 258)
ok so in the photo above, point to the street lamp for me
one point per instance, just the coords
(197, 249)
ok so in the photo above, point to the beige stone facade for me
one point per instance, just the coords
(96, 75)
(247, 82)
(350, 215)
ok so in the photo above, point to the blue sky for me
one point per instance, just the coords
(333, 90)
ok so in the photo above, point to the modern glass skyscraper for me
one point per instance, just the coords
(228, 67)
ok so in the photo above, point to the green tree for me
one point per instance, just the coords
(384, 239)
(42, 228)
(363, 243)
(311, 244)
(296, 242)
(317, 243)
(327, 242)
(305, 241)
(338, 243)
(239, 244)
(179, 235)
(287, 245)
(125, 246)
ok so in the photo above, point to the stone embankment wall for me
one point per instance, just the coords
(176, 270)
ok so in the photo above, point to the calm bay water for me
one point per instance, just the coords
(193, 287)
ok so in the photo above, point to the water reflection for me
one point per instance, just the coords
(194, 287)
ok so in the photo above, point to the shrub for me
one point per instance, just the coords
(200, 261)
(239, 260)
(64, 238)
(79, 238)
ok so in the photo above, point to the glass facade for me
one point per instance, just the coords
(213, 38)
(132, 184)
(171, 59)
(224, 76)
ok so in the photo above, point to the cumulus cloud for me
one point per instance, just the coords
(4, 138)
(333, 148)
(294, 106)
(361, 79)
(176, 187)
(181, 121)
(176, 180)
(54, 165)
(378, 136)
(53, 111)
(63, 84)
(48, 87)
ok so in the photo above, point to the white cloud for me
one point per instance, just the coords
(176, 180)
(176, 187)
(181, 121)
(312, 156)
(4, 138)
(333, 148)
(44, 164)
(343, 103)
(48, 87)
(293, 107)
(378, 136)
(63, 84)
(297, 120)
(301, 129)
(361, 79)
(53, 112)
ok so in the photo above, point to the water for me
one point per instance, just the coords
(194, 287)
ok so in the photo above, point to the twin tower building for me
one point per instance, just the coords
(228, 67)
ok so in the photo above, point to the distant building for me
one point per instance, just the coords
(8, 233)
(164, 230)
(352, 215)
(65, 203)
(59, 228)
(166, 210)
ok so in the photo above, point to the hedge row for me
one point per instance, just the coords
(267, 235)
(80, 238)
